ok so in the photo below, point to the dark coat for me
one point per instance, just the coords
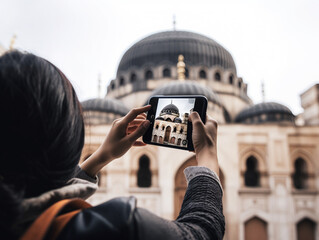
(201, 217)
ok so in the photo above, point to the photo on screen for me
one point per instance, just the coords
(171, 118)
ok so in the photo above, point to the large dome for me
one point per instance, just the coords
(164, 48)
(170, 108)
(187, 88)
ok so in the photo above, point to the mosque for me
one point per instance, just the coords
(169, 128)
(268, 157)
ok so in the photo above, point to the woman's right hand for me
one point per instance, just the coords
(205, 141)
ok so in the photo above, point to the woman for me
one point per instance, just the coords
(42, 134)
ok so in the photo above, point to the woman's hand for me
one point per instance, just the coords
(205, 141)
(123, 135)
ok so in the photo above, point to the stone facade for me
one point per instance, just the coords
(269, 165)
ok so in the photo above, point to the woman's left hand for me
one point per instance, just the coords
(123, 135)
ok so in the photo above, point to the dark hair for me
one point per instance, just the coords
(41, 127)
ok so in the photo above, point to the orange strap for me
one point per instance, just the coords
(52, 221)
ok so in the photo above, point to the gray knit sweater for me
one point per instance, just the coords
(201, 216)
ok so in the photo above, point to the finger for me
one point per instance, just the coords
(139, 131)
(134, 113)
(131, 129)
(210, 120)
(139, 144)
(136, 121)
(141, 116)
(197, 123)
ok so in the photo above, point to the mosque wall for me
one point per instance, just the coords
(268, 168)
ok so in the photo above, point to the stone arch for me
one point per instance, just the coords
(133, 77)
(231, 79)
(218, 76)
(166, 72)
(202, 74)
(155, 138)
(256, 228)
(305, 155)
(310, 163)
(144, 174)
(300, 174)
(122, 81)
(306, 229)
(167, 133)
(252, 174)
(251, 214)
(134, 167)
(149, 74)
(259, 155)
(306, 214)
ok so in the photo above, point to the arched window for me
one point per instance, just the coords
(148, 74)
(155, 138)
(252, 175)
(231, 79)
(179, 141)
(174, 130)
(144, 175)
(239, 84)
(156, 126)
(167, 134)
(160, 139)
(112, 85)
(300, 175)
(217, 76)
(122, 81)
(163, 127)
(181, 131)
(166, 72)
(133, 78)
(306, 229)
(202, 74)
(172, 140)
(256, 228)
(186, 73)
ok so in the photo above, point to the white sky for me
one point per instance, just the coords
(183, 105)
(271, 40)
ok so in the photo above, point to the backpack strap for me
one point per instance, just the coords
(51, 222)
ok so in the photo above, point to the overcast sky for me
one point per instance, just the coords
(275, 41)
(183, 105)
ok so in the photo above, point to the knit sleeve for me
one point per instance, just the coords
(202, 209)
(201, 216)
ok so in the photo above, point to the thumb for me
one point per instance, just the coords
(198, 125)
(139, 131)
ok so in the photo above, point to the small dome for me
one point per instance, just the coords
(265, 112)
(169, 109)
(187, 88)
(178, 120)
(159, 118)
(108, 105)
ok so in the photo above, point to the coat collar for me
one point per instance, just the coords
(75, 188)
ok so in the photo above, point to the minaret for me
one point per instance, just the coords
(13, 39)
(174, 23)
(181, 68)
(263, 91)
(99, 86)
